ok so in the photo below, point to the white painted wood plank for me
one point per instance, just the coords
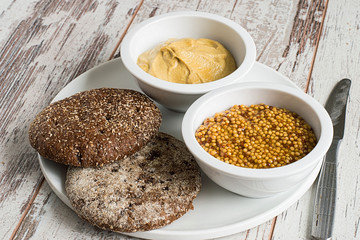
(337, 58)
(50, 218)
(45, 47)
(9, 20)
(285, 33)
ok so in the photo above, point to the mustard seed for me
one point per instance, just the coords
(256, 136)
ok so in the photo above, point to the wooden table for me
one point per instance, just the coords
(45, 44)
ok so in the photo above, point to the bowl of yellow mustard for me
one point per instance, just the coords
(178, 57)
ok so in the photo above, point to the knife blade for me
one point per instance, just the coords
(325, 198)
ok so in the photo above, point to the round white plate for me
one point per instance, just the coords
(217, 212)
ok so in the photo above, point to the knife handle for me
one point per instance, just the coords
(324, 206)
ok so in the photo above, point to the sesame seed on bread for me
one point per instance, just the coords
(95, 127)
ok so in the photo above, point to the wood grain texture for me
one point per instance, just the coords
(43, 49)
(50, 218)
(337, 58)
(48, 43)
(285, 33)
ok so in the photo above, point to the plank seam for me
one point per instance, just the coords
(272, 228)
(27, 209)
(233, 8)
(307, 85)
(126, 29)
(316, 47)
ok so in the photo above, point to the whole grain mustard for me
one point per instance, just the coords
(256, 136)
(188, 61)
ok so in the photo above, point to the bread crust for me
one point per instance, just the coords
(95, 127)
(145, 191)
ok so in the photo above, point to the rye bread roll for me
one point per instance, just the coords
(145, 191)
(95, 127)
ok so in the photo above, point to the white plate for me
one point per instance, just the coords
(217, 212)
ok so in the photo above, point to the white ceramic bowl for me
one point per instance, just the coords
(258, 183)
(156, 30)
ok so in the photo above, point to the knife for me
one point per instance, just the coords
(325, 198)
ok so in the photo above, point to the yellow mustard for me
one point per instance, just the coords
(188, 61)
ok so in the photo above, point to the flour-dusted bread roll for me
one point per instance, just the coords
(145, 191)
(95, 127)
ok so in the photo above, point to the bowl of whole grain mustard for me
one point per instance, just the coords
(177, 57)
(257, 139)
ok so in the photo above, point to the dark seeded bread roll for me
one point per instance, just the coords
(145, 191)
(95, 127)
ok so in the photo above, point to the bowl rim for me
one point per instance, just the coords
(141, 75)
(324, 141)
